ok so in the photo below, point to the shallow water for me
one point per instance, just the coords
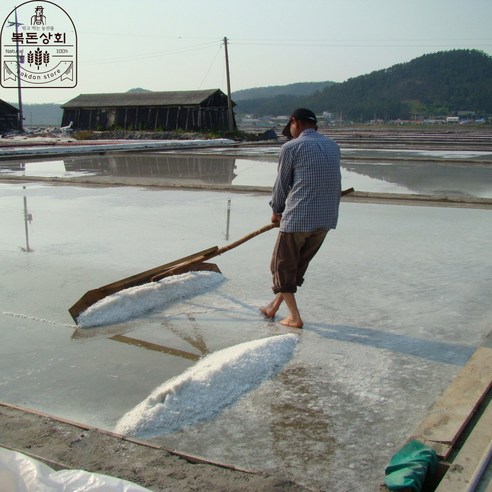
(414, 172)
(394, 304)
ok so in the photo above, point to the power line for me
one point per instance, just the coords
(171, 52)
(210, 67)
(362, 44)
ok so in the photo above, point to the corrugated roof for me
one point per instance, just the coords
(127, 99)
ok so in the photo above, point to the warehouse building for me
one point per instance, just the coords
(155, 111)
(9, 117)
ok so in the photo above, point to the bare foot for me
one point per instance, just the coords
(267, 312)
(292, 323)
(270, 310)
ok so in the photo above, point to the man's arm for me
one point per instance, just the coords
(282, 184)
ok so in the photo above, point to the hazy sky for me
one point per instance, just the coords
(164, 45)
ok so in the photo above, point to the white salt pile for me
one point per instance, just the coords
(212, 384)
(135, 301)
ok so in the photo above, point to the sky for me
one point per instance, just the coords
(164, 45)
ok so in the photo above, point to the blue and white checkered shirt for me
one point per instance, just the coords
(308, 185)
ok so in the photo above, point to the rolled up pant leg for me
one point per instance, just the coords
(309, 248)
(291, 256)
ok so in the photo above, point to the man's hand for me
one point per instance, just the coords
(276, 218)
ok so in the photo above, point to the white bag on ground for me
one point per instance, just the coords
(19, 473)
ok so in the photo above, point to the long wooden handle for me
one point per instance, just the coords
(185, 265)
(249, 236)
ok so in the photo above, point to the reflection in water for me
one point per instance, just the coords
(429, 178)
(228, 220)
(382, 173)
(37, 168)
(201, 169)
(156, 347)
(27, 222)
(118, 332)
(196, 341)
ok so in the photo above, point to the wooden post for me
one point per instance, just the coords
(20, 123)
(156, 118)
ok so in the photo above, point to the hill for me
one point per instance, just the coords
(297, 89)
(434, 85)
(437, 84)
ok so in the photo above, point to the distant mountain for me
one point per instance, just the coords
(297, 89)
(138, 90)
(51, 114)
(437, 84)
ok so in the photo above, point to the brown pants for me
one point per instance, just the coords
(291, 256)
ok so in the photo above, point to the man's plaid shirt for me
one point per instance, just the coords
(308, 185)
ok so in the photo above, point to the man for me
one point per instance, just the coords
(305, 201)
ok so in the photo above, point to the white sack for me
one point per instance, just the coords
(19, 473)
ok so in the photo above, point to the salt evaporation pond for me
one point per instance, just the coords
(451, 173)
(395, 303)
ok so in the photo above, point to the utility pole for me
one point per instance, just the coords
(20, 126)
(229, 100)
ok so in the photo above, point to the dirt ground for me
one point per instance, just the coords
(62, 445)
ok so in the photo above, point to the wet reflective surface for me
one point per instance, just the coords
(415, 172)
(394, 304)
